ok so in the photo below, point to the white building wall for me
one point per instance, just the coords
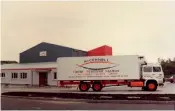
(35, 76)
(51, 80)
(9, 80)
(32, 77)
(32, 74)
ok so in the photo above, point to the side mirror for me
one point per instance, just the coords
(145, 62)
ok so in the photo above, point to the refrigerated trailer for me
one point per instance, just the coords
(97, 72)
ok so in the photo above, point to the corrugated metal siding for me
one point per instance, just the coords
(77, 53)
(53, 52)
(108, 50)
(100, 51)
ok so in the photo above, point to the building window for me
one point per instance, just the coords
(2, 74)
(14, 75)
(55, 75)
(147, 69)
(43, 53)
(23, 75)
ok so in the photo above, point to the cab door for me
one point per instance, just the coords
(157, 72)
(147, 72)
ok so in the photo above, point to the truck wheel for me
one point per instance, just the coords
(171, 81)
(84, 86)
(151, 86)
(97, 86)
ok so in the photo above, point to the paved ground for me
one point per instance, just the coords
(28, 104)
(169, 88)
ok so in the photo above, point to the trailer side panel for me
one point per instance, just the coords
(98, 68)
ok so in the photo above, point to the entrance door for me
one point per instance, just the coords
(42, 78)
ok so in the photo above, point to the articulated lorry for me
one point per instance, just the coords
(97, 72)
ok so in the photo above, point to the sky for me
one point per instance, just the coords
(142, 28)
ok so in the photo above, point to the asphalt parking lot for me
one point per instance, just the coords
(28, 104)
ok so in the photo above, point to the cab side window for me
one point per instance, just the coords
(147, 69)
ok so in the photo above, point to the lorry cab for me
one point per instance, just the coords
(153, 72)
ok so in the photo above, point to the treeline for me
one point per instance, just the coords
(168, 66)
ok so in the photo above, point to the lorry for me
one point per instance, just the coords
(97, 72)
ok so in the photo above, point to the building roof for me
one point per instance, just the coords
(54, 45)
(29, 66)
(99, 47)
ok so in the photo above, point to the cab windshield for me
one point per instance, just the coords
(156, 69)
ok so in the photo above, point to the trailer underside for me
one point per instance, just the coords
(97, 85)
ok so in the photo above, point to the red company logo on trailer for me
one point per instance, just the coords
(102, 61)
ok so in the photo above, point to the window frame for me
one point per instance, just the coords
(14, 75)
(23, 75)
(147, 67)
(2, 74)
(43, 53)
(157, 67)
(55, 76)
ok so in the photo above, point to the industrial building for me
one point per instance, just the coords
(46, 52)
(37, 65)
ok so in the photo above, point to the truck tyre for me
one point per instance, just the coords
(171, 81)
(83, 86)
(97, 86)
(151, 86)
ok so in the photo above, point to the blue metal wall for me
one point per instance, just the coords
(53, 52)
